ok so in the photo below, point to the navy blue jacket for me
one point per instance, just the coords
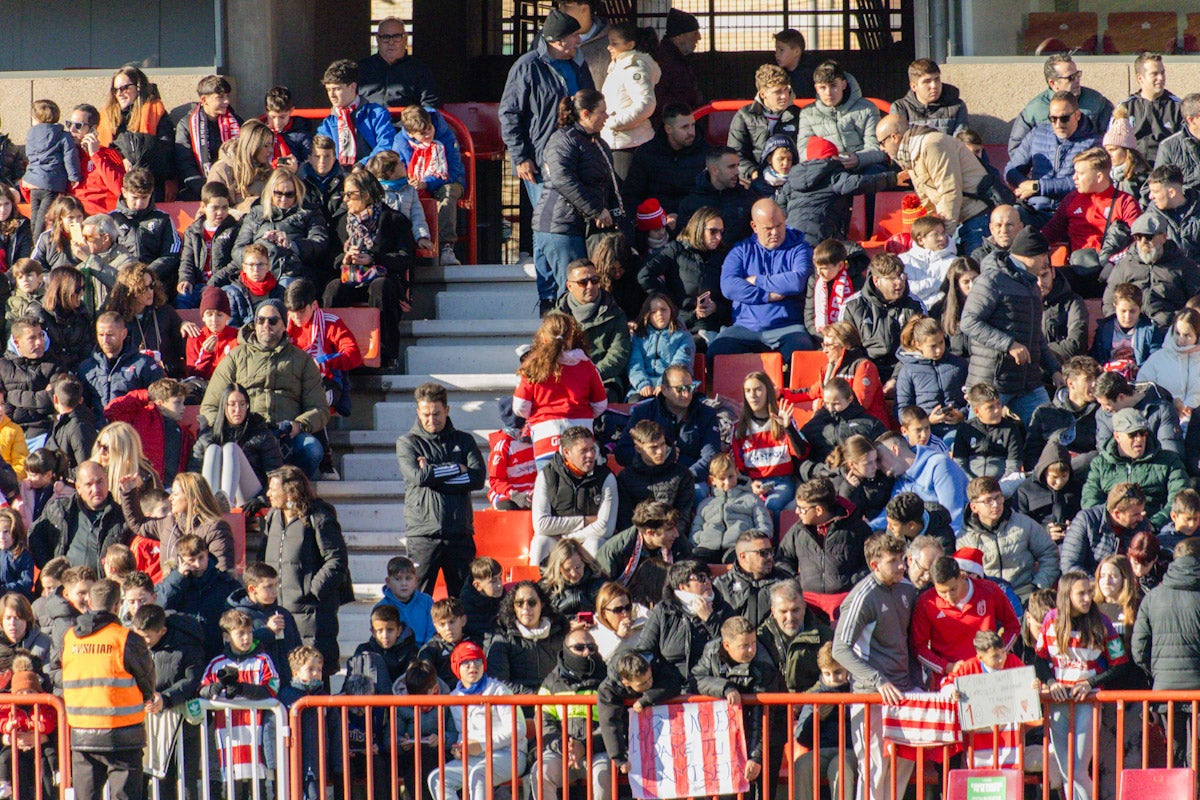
(104, 382)
(1050, 161)
(818, 194)
(1147, 337)
(929, 384)
(529, 106)
(204, 596)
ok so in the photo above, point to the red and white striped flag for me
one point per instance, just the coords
(687, 750)
(923, 719)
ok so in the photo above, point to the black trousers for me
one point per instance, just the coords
(452, 557)
(382, 293)
(121, 769)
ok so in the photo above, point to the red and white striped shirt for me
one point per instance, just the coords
(237, 731)
(760, 454)
(511, 467)
(1074, 663)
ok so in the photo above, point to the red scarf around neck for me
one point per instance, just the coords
(259, 288)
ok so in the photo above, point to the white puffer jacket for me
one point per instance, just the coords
(629, 95)
(1174, 370)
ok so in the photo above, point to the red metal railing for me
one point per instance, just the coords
(32, 704)
(467, 148)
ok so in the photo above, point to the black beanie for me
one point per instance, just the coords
(559, 25)
(680, 22)
(1029, 242)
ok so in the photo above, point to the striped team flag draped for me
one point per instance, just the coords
(923, 719)
(687, 750)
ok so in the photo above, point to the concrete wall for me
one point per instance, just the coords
(996, 89)
(18, 90)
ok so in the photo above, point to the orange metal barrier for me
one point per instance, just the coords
(33, 704)
(721, 113)
(1121, 715)
(467, 148)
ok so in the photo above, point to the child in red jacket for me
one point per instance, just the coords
(990, 656)
(27, 727)
(217, 337)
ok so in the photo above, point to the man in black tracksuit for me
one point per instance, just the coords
(441, 466)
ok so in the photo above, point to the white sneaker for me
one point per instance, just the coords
(332, 475)
(447, 257)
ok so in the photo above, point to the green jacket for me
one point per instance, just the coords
(284, 382)
(1161, 475)
(796, 659)
(608, 332)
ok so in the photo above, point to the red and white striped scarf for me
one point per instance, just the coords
(923, 719)
(198, 128)
(828, 304)
(429, 161)
(346, 140)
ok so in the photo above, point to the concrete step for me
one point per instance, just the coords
(338, 492)
(375, 539)
(520, 302)
(465, 413)
(469, 277)
(461, 359)
(470, 328)
(370, 568)
(486, 382)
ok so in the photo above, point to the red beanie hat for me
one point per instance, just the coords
(820, 148)
(970, 559)
(650, 215)
(465, 651)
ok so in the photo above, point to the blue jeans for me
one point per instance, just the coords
(1023, 405)
(1061, 723)
(533, 190)
(552, 252)
(306, 453)
(191, 299)
(972, 232)
(782, 494)
(736, 340)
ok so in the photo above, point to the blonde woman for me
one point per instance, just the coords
(572, 578)
(194, 511)
(118, 449)
(245, 167)
(295, 237)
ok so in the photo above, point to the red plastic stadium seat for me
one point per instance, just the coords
(483, 121)
(182, 214)
(429, 208)
(1156, 784)
(363, 322)
(1074, 30)
(504, 535)
(961, 779)
(524, 572)
(808, 367)
(729, 372)
(1135, 31)
(237, 523)
(1191, 34)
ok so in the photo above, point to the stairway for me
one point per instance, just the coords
(478, 315)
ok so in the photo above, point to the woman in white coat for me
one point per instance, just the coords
(629, 92)
(1176, 366)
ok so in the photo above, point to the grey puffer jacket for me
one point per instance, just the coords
(1017, 549)
(578, 183)
(1183, 150)
(438, 499)
(850, 125)
(306, 231)
(1005, 308)
(723, 516)
(947, 114)
(1166, 635)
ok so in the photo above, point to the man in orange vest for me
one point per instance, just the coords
(108, 681)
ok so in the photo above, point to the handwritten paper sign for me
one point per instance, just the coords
(1006, 697)
(687, 750)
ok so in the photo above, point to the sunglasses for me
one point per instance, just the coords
(124, 87)
(75, 126)
(272, 321)
(1063, 120)
(622, 609)
(527, 603)
(277, 193)
(586, 281)
(700, 577)
(582, 647)
(763, 553)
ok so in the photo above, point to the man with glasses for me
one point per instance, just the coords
(603, 321)
(824, 549)
(689, 423)
(580, 671)
(1156, 265)
(1062, 75)
(116, 367)
(1133, 454)
(103, 257)
(1041, 169)
(103, 167)
(392, 77)
(1154, 112)
(283, 382)
(747, 586)
(1113, 392)
(1015, 547)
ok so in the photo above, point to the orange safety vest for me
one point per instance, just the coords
(98, 691)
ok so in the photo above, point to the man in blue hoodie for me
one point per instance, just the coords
(766, 277)
(931, 474)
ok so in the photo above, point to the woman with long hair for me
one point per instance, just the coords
(19, 625)
(766, 444)
(659, 341)
(194, 511)
(559, 385)
(239, 450)
(572, 578)
(303, 541)
(16, 236)
(58, 245)
(629, 91)
(295, 237)
(156, 327)
(64, 319)
(618, 619)
(134, 120)
(245, 169)
(1118, 594)
(1078, 651)
(617, 264)
(579, 194)
(959, 277)
(528, 638)
(16, 561)
(689, 271)
(118, 449)
(858, 477)
(845, 357)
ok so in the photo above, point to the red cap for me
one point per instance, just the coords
(650, 215)
(465, 651)
(820, 148)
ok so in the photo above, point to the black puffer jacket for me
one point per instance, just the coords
(218, 253)
(1065, 320)
(827, 429)
(314, 568)
(947, 114)
(1076, 424)
(662, 172)
(150, 236)
(1167, 284)
(750, 128)
(26, 386)
(870, 497)
(828, 559)
(715, 674)
(524, 663)
(305, 229)
(748, 596)
(255, 439)
(1181, 149)
(1034, 498)
(578, 182)
(734, 205)
(1158, 407)
(1092, 537)
(61, 523)
(1005, 308)
(669, 482)
(684, 274)
(1166, 635)
(677, 637)
(570, 600)
(71, 337)
(879, 323)
(818, 194)
(989, 450)
(179, 659)
(1183, 224)
(437, 504)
